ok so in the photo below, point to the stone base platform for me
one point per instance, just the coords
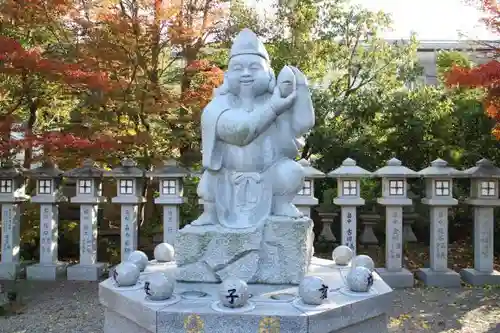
(444, 279)
(277, 252)
(401, 279)
(13, 270)
(274, 307)
(81, 272)
(46, 271)
(478, 278)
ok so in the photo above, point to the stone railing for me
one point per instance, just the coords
(395, 197)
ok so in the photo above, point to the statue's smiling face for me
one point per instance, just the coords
(248, 72)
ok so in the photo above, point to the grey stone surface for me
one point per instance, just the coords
(277, 253)
(116, 323)
(400, 279)
(338, 312)
(81, 272)
(11, 270)
(46, 271)
(373, 325)
(445, 279)
(477, 278)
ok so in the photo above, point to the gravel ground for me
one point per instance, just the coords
(73, 307)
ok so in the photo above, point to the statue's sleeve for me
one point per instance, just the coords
(238, 127)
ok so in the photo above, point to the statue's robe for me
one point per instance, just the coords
(240, 149)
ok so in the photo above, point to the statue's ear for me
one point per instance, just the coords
(272, 80)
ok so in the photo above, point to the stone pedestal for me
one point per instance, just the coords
(349, 226)
(393, 273)
(275, 308)
(49, 267)
(170, 223)
(278, 252)
(408, 221)
(483, 272)
(369, 221)
(439, 275)
(10, 266)
(88, 269)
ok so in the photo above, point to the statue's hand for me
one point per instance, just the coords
(299, 76)
(280, 104)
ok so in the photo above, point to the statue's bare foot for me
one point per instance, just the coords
(287, 209)
(204, 219)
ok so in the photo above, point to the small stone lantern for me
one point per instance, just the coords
(484, 198)
(394, 197)
(348, 198)
(439, 196)
(305, 199)
(12, 194)
(129, 184)
(88, 196)
(170, 177)
(48, 178)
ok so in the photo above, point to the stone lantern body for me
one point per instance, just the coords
(484, 198)
(129, 184)
(170, 187)
(394, 197)
(305, 200)
(349, 176)
(48, 178)
(439, 196)
(12, 194)
(88, 196)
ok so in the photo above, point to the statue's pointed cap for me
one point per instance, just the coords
(247, 42)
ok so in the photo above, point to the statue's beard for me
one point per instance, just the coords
(249, 91)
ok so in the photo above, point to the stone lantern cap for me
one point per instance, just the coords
(87, 170)
(127, 169)
(48, 169)
(170, 168)
(439, 168)
(394, 168)
(349, 169)
(9, 171)
(484, 169)
(310, 171)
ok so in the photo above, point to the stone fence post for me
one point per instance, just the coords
(170, 177)
(484, 198)
(305, 200)
(88, 196)
(348, 198)
(129, 184)
(48, 179)
(439, 196)
(394, 196)
(12, 194)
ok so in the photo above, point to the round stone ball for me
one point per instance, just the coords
(159, 286)
(164, 252)
(140, 259)
(126, 274)
(359, 279)
(363, 261)
(233, 293)
(313, 290)
(342, 255)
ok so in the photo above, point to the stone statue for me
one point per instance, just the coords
(251, 134)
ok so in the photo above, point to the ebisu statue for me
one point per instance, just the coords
(251, 135)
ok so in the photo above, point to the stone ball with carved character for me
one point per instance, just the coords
(364, 261)
(139, 258)
(126, 274)
(233, 293)
(342, 254)
(313, 290)
(164, 252)
(359, 279)
(159, 286)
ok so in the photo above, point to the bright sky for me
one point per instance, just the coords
(431, 19)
